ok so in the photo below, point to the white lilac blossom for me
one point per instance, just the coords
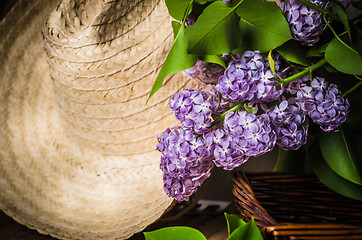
(290, 124)
(186, 161)
(193, 109)
(249, 78)
(306, 24)
(324, 103)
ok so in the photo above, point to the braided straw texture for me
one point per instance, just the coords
(77, 142)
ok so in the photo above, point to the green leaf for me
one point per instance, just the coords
(215, 32)
(272, 64)
(247, 231)
(342, 15)
(338, 152)
(175, 233)
(329, 178)
(349, 26)
(248, 108)
(213, 59)
(178, 9)
(343, 58)
(354, 118)
(330, 69)
(263, 26)
(233, 222)
(317, 51)
(177, 59)
(291, 51)
(203, 1)
(291, 161)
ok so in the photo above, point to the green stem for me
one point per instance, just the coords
(319, 9)
(352, 89)
(302, 73)
(186, 12)
(222, 116)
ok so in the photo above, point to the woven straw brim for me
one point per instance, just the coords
(77, 142)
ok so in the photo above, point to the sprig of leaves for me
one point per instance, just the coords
(177, 59)
(237, 230)
(263, 26)
(339, 54)
(220, 28)
(216, 30)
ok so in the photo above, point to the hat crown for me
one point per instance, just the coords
(77, 142)
(103, 58)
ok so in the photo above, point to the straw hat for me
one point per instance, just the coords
(77, 142)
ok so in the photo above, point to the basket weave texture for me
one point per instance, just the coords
(289, 206)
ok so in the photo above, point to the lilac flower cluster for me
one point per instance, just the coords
(252, 134)
(226, 153)
(249, 78)
(205, 73)
(186, 161)
(193, 109)
(293, 87)
(225, 128)
(324, 103)
(208, 74)
(290, 125)
(306, 24)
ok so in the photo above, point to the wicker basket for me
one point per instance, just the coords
(288, 206)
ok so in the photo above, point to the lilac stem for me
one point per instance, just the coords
(302, 73)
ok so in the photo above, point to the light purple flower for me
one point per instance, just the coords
(193, 109)
(290, 124)
(306, 24)
(249, 78)
(324, 103)
(251, 134)
(186, 161)
(226, 152)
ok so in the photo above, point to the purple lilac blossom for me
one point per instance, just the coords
(347, 1)
(306, 24)
(226, 152)
(208, 74)
(186, 161)
(193, 109)
(324, 103)
(249, 78)
(294, 86)
(251, 134)
(290, 124)
(205, 73)
(190, 20)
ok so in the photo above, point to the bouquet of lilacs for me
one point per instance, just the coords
(266, 69)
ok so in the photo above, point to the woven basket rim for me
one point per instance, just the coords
(257, 198)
